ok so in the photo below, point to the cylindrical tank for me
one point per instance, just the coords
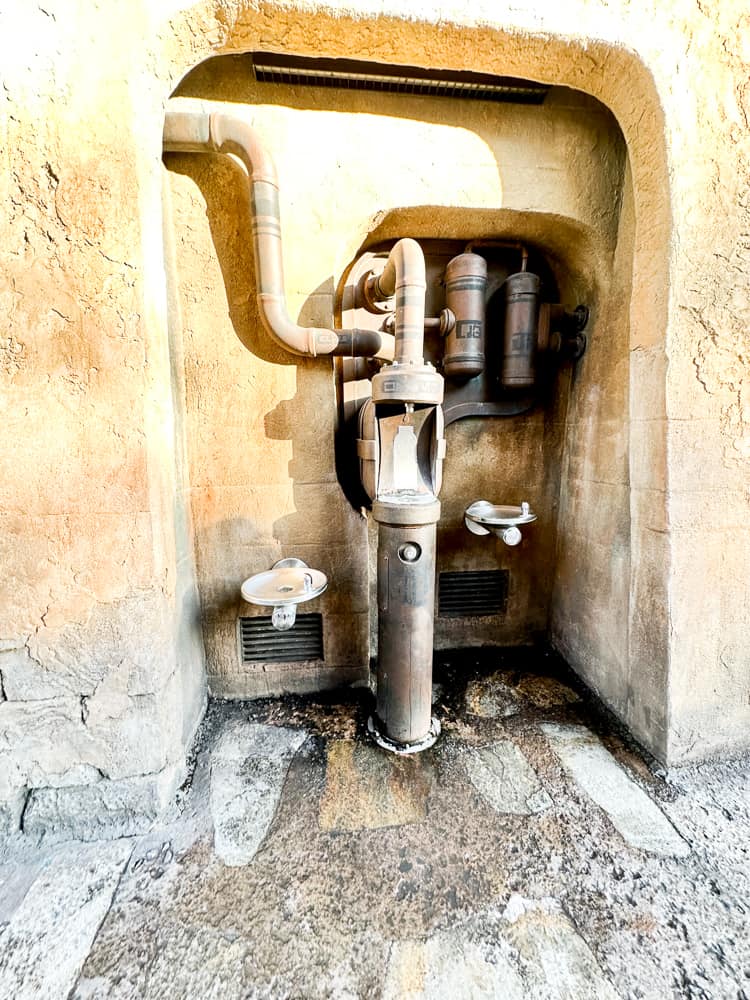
(465, 287)
(406, 600)
(521, 329)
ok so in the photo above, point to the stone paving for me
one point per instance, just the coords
(533, 853)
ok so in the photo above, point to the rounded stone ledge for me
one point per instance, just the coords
(11, 811)
(104, 811)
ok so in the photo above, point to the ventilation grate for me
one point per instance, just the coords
(472, 594)
(355, 75)
(260, 642)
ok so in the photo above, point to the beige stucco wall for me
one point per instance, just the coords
(102, 674)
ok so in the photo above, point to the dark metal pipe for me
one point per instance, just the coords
(491, 244)
(443, 323)
(358, 344)
(194, 131)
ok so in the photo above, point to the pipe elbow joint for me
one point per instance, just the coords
(230, 134)
(409, 265)
(405, 267)
(306, 341)
(191, 126)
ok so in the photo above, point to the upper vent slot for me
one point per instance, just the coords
(355, 75)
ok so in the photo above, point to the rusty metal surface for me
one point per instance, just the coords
(406, 601)
(522, 299)
(465, 291)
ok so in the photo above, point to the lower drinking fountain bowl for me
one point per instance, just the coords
(503, 520)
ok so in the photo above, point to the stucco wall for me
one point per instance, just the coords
(97, 587)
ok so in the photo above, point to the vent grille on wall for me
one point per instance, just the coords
(355, 75)
(260, 642)
(472, 594)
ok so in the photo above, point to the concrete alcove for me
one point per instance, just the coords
(260, 431)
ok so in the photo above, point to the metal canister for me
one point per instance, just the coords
(522, 297)
(465, 288)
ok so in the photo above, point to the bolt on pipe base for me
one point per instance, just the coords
(377, 733)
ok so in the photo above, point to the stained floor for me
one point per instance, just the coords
(533, 853)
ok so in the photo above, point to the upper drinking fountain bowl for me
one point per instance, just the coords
(290, 581)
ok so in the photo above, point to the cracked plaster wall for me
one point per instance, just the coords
(98, 601)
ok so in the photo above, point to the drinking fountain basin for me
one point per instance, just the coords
(288, 583)
(503, 520)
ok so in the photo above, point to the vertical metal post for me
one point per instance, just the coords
(406, 599)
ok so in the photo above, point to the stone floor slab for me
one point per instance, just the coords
(505, 779)
(453, 965)
(529, 951)
(46, 941)
(367, 788)
(633, 813)
(556, 962)
(248, 769)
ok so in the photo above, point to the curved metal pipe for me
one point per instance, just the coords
(197, 131)
(404, 277)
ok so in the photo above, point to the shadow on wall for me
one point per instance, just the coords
(283, 499)
(223, 184)
(230, 79)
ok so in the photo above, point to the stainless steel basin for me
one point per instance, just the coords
(288, 583)
(503, 520)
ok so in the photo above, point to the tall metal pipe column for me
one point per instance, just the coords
(406, 602)
(407, 395)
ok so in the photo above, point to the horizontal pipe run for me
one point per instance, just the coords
(196, 131)
(442, 324)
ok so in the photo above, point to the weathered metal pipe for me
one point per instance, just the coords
(408, 379)
(407, 516)
(442, 324)
(407, 540)
(404, 277)
(191, 130)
